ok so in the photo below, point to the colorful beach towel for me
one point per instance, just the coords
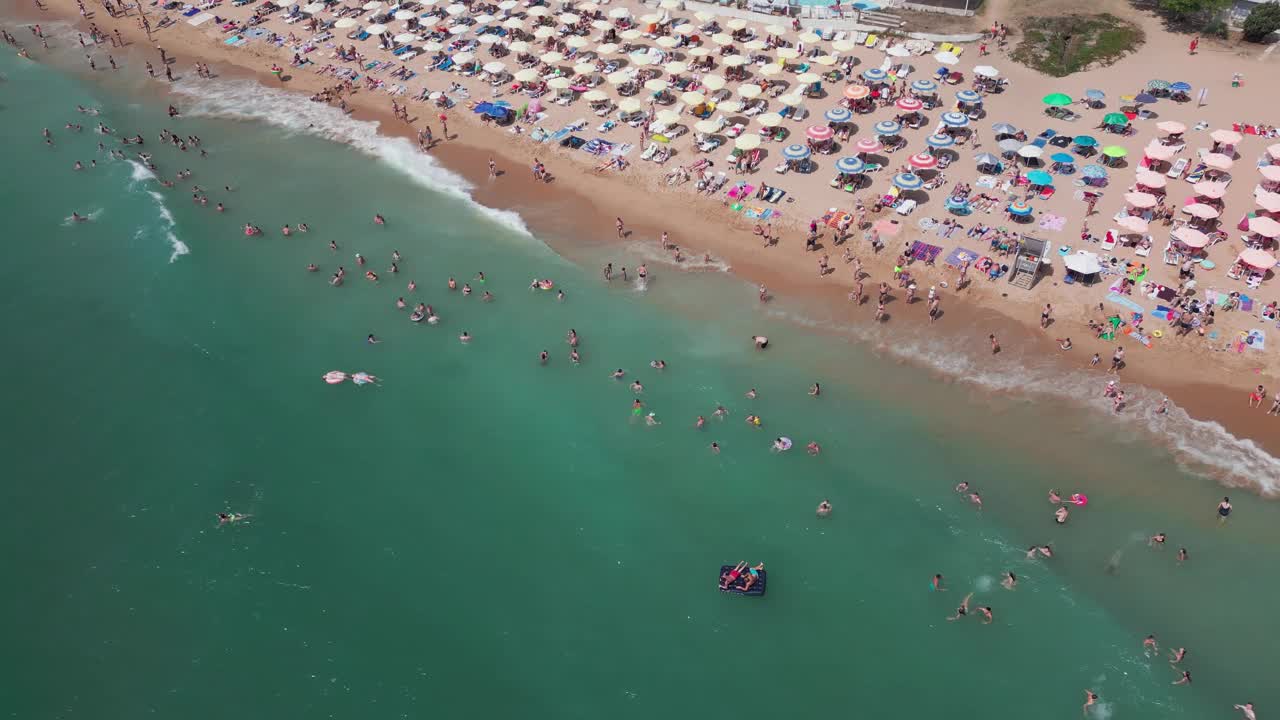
(958, 256)
(1049, 221)
(925, 252)
(759, 213)
(833, 219)
(1125, 302)
(1256, 339)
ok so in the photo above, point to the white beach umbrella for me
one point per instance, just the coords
(403, 38)
(736, 24)
(526, 75)
(463, 57)
(485, 19)
(619, 13)
(488, 39)
(706, 127)
(642, 59)
(595, 96)
(621, 77)
(584, 68)
(692, 97)
(577, 42)
(843, 45)
(631, 35)
(676, 67)
(587, 7)
(808, 78)
(456, 9)
(372, 5)
(607, 48)
(518, 46)
(787, 53)
(494, 67)
(666, 41)
(986, 71)
(376, 29)
(826, 60)
(775, 30)
(558, 83)
(685, 29)
(770, 70)
(809, 38)
(750, 141)
(1085, 263)
(601, 24)
(946, 58)
(513, 23)
(551, 57)
(729, 106)
(458, 30)
(508, 5)
(755, 45)
(898, 51)
(344, 23)
(657, 85)
(721, 39)
(569, 18)
(316, 7)
(432, 46)
(791, 100)
(769, 120)
(650, 19)
(703, 16)
(713, 82)
(669, 4)
(698, 52)
(749, 91)
(1030, 151)
(399, 14)
(629, 105)
(734, 61)
(544, 32)
(538, 11)
(667, 117)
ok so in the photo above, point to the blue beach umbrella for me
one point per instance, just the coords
(796, 152)
(955, 202)
(1039, 177)
(907, 181)
(1019, 208)
(1180, 87)
(838, 115)
(888, 127)
(850, 165)
(1092, 94)
(1094, 171)
(874, 74)
(1085, 140)
(1004, 129)
(1144, 98)
(940, 141)
(924, 86)
(968, 96)
(1063, 158)
(955, 119)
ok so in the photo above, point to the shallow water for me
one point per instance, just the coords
(481, 534)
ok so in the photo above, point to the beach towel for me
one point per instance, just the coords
(958, 256)
(759, 213)
(1256, 339)
(833, 219)
(1125, 302)
(739, 192)
(1049, 221)
(925, 252)
(1246, 303)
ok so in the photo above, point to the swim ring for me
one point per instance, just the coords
(783, 443)
(1080, 499)
(333, 377)
(546, 284)
(362, 378)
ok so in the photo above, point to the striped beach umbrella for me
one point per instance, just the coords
(1019, 208)
(923, 161)
(868, 145)
(796, 152)
(909, 104)
(955, 119)
(856, 92)
(850, 165)
(819, 133)
(838, 115)
(940, 141)
(986, 159)
(1004, 129)
(888, 127)
(907, 181)
(924, 86)
(874, 74)
(968, 96)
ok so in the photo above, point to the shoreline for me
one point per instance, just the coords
(577, 200)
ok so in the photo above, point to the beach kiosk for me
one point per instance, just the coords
(1031, 257)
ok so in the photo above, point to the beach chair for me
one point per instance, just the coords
(1178, 168)
(872, 39)
(947, 47)
(906, 207)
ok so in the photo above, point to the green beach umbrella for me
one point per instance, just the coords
(1057, 99)
(1115, 119)
(1114, 151)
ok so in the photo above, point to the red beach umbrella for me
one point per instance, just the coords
(923, 161)
(820, 133)
(909, 104)
(868, 145)
(1258, 259)
(1190, 237)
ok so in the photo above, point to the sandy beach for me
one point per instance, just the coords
(1210, 377)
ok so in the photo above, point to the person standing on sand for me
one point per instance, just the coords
(995, 344)
(1195, 43)
(444, 124)
(622, 231)
(1044, 315)
(493, 168)
(1117, 361)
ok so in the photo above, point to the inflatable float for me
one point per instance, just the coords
(363, 378)
(782, 444)
(333, 377)
(756, 590)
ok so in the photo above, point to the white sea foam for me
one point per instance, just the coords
(1202, 446)
(248, 100)
(651, 252)
(139, 173)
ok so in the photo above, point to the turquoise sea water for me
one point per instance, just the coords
(485, 536)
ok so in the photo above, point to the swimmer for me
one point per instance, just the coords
(761, 341)
(1046, 551)
(453, 284)
(286, 231)
(720, 412)
(1247, 710)
(400, 304)
(658, 364)
(1157, 539)
(333, 245)
(559, 296)
(395, 257)
(78, 166)
(1149, 645)
(753, 420)
(700, 422)
(1061, 515)
(371, 276)
(413, 285)
(1177, 656)
(963, 610)
(221, 207)
(976, 499)
(302, 227)
(465, 337)
(987, 616)
(466, 288)
(372, 340)
(572, 338)
(487, 297)
(813, 448)
(394, 268)
(1224, 510)
(715, 448)
(780, 445)
(379, 220)
(651, 420)
(1054, 497)
(636, 387)
(751, 394)
(1182, 555)
(479, 277)
(815, 390)
(935, 583)
(542, 357)
(824, 510)
(1010, 580)
(1090, 698)
(617, 374)
(1185, 679)
(225, 518)
(962, 486)
(77, 217)
(574, 357)
(312, 267)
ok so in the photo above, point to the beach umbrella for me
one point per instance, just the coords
(584, 68)
(826, 60)
(809, 37)
(1157, 85)
(908, 181)
(456, 9)
(628, 35)
(1093, 171)
(505, 5)
(749, 91)
(685, 29)
(669, 4)
(955, 119)
(713, 82)
(923, 161)
(316, 7)
(1133, 223)
(1115, 119)
(1144, 98)
(924, 86)
(1004, 129)
(569, 18)
(376, 29)
(606, 48)
(736, 24)
(1149, 179)
(1141, 200)
(947, 58)
(1217, 161)
(667, 117)
(774, 30)
(729, 106)
(629, 105)
(898, 51)
(1200, 210)
(706, 127)
(1039, 177)
(986, 159)
(432, 46)
(1019, 208)
(1094, 95)
(618, 13)
(484, 19)
(667, 42)
(345, 22)
(888, 127)
(513, 23)
(843, 45)
(787, 53)
(675, 67)
(1273, 151)
(551, 57)
(595, 96)
(403, 38)
(1030, 151)
(968, 96)
(1270, 172)
(849, 165)
(986, 71)
(750, 141)
(621, 77)
(586, 7)
(1180, 87)
(769, 120)
(909, 104)
(856, 92)
(874, 74)
(458, 29)
(692, 97)
(838, 115)
(543, 33)
(1190, 237)
(1114, 151)
(464, 57)
(642, 59)
(495, 67)
(1171, 127)
(518, 46)
(372, 5)
(734, 61)
(1010, 145)
(770, 70)
(656, 85)
(1057, 99)
(577, 42)
(1210, 189)
(1226, 137)
(808, 78)
(721, 39)
(1156, 151)
(940, 141)
(1065, 158)
(1267, 200)
(558, 83)
(1084, 263)
(1258, 259)
(868, 145)
(791, 100)
(819, 133)
(1264, 226)
(535, 11)
(796, 152)
(1086, 140)
(703, 16)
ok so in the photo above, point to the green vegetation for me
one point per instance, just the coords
(1059, 46)
(1263, 20)
(1183, 10)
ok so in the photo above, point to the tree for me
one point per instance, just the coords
(1184, 9)
(1263, 20)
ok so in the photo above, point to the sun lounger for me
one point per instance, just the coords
(872, 39)
(906, 207)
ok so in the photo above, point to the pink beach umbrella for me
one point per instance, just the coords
(1171, 127)
(923, 161)
(1257, 259)
(1140, 200)
(1274, 151)
(1190, 237)
(1202, 211)
(1270, 172)
(1264, 226)
(820, 133)
(1153, 180)
(1210, 189)
(1268, 201)
(1159, 152)
(1218, 161)
(868, 145)
(1226, 137)
(909, 104)
(1133, 223)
